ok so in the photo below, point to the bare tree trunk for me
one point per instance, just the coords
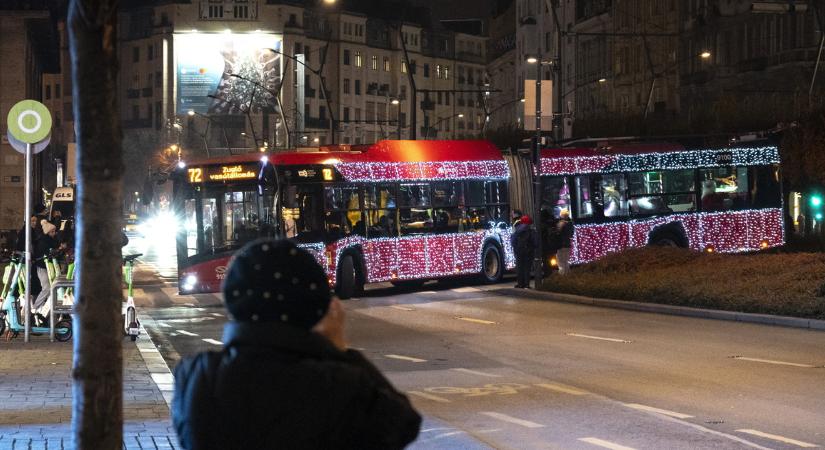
(97, 410)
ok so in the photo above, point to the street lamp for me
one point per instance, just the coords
(705, 54)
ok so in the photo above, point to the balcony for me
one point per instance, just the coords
(132, 93)
(228, 10)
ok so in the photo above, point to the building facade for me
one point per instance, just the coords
(26, 33)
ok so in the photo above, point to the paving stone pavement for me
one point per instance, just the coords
(36, 398)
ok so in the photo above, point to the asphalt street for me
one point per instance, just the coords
(489, 370)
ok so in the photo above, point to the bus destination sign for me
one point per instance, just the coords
(223, 173)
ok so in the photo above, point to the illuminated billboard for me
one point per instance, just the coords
(208, 62)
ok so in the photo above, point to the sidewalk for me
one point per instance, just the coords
(36, 397)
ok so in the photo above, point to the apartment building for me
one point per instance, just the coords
(357, 49)
(27, 36)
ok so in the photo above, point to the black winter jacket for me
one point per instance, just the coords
(279, 386)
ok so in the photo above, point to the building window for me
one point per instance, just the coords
(135, 112)
(346, 57)
(150, 52)
(346, 85)
(359, 61)
(374, 64)
(426, 71)
(438, 71)
(386, 64)
(447, 99)
(135, 54)
(403, 67)
(412, 66)
(158, 80)
(346, 114)
(149, 79)
(446, 72)
(357, 113)
(357, 87)
(57, 90)
(48, 93)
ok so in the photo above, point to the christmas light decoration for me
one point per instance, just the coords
(689, 159)
(491, 170)
(415, 257)
(725, 232)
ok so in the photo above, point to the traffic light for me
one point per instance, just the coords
(816, 206)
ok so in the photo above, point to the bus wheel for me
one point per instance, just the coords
(492, 268)
(665, 240)
(347, 283)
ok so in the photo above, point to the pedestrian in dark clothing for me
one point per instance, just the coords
(34, 223)
(285, 378)
(565, 233)
(516, 217)
(524, 241)
(42, 249)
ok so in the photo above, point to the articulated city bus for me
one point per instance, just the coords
(409, 211)
(398, 211)
(723, 200)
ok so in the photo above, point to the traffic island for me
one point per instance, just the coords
(768, 284)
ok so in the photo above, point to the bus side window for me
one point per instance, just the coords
(584, 201)
(614, 195)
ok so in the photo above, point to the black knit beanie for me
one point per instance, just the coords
(273, 280)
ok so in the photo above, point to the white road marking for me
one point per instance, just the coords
(434, 398)
(470, 319)
(428, 292)
(217, 314)
(186, 333)
(769, 361)
(511, 419)
(658, 411)
(475, 372)
(164, 325)
(427, 430)
(163, 378)
(406, 358)
(212, 341)
(402, 308)
(587, 336)
(604, 444)
(560, 388)
(190, 320)
(466, 289)
(778, 438)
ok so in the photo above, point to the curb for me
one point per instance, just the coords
(158, 369)
(762, 319)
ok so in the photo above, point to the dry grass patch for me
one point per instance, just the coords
(767, 283)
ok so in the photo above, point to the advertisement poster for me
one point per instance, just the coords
(208, 62)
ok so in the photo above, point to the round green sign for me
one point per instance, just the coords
(29, 121)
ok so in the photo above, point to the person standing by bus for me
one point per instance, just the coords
(285, 378)
(524, 241)
(565, 235)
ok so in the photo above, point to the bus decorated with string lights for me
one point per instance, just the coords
(397, 211)
(714, 200)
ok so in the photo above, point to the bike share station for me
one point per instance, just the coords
(29, 132)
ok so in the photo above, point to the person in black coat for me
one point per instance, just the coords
(285, 378)
(524, 241)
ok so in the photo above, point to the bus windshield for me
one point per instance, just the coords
(221, 218)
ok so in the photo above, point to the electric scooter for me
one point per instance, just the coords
(131, 324)
(12, 308)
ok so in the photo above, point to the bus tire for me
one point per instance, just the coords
(492, 266)
(347, 280)
(67, 334)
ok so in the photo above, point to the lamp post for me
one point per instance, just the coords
(397, 102)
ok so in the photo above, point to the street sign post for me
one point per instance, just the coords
(29, 122)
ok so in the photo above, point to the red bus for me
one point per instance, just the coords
(631, 195)
(398, 211)
(409, 211)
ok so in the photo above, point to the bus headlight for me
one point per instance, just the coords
(189, 283)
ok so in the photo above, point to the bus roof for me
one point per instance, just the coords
(643, 157)
(393, 152)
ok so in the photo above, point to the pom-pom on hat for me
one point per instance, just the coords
(526, 220)
(47, 226)
(272, 280)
